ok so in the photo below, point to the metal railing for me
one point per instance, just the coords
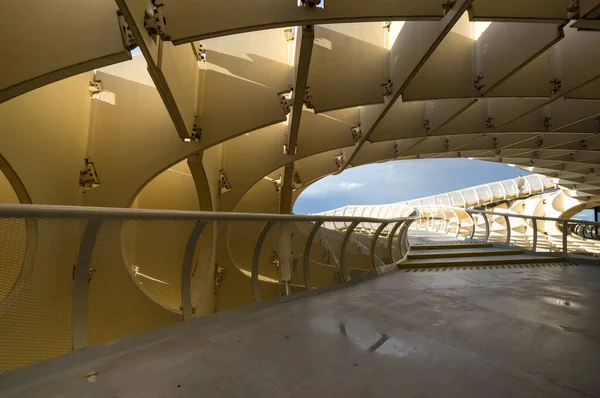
(530, 232)
(85, 255)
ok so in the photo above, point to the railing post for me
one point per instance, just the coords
(374, 242)
(391, 239)
(487, 228)
(565, 226)
(508, 230)
(473, 224)
(256, 258)
(306, 259)
(82, 278)
(535, 229)
(403, 243)
(186, 271)
(285, 255)
(343, 253)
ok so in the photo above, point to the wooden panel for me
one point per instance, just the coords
(73, 37)
(374, 152)
(248, 158)
(560, 113)
(320, 133)
(44, 138)
(443, 111)
(436, 145)
(502, 52)
(449, 72)
(230, 106)
(504, 110)
(173, 70)
(192, 20)
(134, 70)
(588, 6)
(133, 141)
(531, 81)
(404, 120)
(180, 70)
(553, 11)
(348, 66)
(472, 120)
(260, 57)
(496, 141)
(578, 58)
(589, 91)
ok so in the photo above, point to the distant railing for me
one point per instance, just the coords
(554, 235)
(77, 276)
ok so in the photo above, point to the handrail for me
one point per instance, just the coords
(566, 227)
(94, 242)
(570, 220)
(108, 213)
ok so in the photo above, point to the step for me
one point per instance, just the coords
(450, 246)
(479, 261)
(476, 252)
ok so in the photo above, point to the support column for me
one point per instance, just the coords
(286, 256)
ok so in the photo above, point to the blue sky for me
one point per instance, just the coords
(398, 181)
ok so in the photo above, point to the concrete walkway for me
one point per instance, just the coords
(417, 237)
(496, 333)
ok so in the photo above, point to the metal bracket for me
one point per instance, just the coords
(309, 3)
(447, 5)
(447, 144)
(224, 185)
(532, 162)
(88, 177)
(539, 142)
(573, 9)
(308, 98)
(547, 123)
(128, 37)
(201, 53)
(598, 124)
(536, 154)
(477, 82)
(489, 123)
(396, 150)
(426, 126)
(274, 259)
(388, 87)
(296, 181)
(556, 85)
(196, 135)
(356, 133)
(95, 88)
(583, 144)
(277, 184)
(97, 92)
(289, 34)
(495, 141)
(339, 160)
(286, 100)
(155, 23)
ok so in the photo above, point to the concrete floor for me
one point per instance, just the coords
(417, 237)
(501, 333)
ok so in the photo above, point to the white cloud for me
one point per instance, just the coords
(320, 189)
(346, 186)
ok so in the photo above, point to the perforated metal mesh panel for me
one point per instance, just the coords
(203, 273)
(136, 278)
(36, 274)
